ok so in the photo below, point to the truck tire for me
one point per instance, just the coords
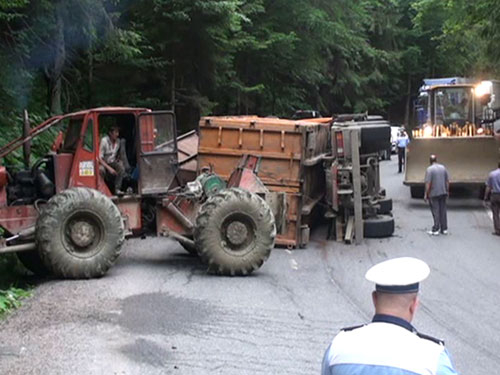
(385, 206)
(417, 192)
(378, 226)
(234, 232)
(31, 261)
(79, 234)
(375, 138)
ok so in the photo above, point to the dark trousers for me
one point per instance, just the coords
(495, 209)
(401, 158)
(438, 209)
(117, 165)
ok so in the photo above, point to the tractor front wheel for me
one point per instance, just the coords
(234, 232)
(79, 234)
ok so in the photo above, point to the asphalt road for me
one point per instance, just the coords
(158, 312)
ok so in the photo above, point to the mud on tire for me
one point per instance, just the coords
(79, 234)
(234, 232)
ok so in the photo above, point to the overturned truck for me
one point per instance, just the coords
(312, 168)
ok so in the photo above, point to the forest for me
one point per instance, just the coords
(264, 57)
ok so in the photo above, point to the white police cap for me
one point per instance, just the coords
(399, 275)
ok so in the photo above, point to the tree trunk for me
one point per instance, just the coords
(90, 76)
(55, 72)
(408, 104)
(172, 88)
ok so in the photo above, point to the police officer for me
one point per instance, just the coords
(402, 142)
(389, 344)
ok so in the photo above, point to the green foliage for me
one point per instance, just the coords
(11, 299)
(12, 290)
(268, 57)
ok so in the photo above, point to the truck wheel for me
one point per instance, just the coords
(234, 232)
(31, 260)
(385, 206)
(417, 192)
(378, 226)
(79, 234)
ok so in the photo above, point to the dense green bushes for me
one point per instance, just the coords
(236, 56)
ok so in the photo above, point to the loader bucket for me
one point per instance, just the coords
(467, 159)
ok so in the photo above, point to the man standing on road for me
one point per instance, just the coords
(493, 193)
(437, 188)
(402, 142)
(389, 345)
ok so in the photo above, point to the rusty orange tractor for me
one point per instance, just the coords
(60, 214)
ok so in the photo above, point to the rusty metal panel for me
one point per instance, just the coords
(167, 222)
(17, 218)
(130, 208)
(291, 155)
(62, 168)
(187, 153)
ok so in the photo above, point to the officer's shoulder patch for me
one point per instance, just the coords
(433, 339)
(347, 329)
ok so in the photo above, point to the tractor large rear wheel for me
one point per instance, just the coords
(234, 232)
(79, 234)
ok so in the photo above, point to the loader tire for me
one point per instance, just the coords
(234, 232)
(379, 226)
(417, 192)
(31, 261)
(79, 234)
(385, 206)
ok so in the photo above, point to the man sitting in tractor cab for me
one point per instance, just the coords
(111, 166)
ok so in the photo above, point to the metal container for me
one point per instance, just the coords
(291, 155)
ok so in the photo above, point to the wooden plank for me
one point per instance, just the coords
(356, 179)
(349, 230)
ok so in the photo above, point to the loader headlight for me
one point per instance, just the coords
(484, 88)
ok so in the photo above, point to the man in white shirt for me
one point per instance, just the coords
(109, 157)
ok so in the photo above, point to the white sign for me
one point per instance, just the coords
(86, 168)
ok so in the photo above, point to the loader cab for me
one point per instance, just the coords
(453, 105)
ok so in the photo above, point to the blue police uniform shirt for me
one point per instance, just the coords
(403, 141)
(387, 346)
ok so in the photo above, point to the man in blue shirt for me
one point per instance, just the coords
(389, 345)
(402, 142)
(493, 193)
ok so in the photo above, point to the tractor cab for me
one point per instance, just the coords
(147, 149)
